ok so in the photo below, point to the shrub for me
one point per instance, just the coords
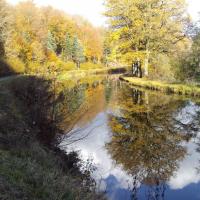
(16, 65)
(65, 66)
(33, 68)
(61, 65)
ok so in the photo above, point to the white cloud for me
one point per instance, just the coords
(93, 147)
(187, 172)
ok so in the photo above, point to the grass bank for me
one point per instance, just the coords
(29, 167)
(87, 72)
(181, 89)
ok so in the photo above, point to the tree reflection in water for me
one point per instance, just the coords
(145, 134)
(146, 140)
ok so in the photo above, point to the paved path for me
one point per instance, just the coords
(9, 78)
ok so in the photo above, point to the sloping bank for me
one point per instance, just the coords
(181, 89)
(31, 166)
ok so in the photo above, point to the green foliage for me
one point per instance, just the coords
(68, 48)
(188, 65)
(107, 51)
(51, 42)
(77, 52)
(17, 182)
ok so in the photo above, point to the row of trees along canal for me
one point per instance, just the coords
(156, 35)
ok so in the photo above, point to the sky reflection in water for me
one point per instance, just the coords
(137, 117)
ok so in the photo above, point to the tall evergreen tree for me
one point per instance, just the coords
(77, 52)
(51, 42)
(68, 47)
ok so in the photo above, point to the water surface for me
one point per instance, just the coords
(143, 144)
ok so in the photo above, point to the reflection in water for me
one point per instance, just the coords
(144, 145)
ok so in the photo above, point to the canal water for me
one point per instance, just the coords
(142, 144)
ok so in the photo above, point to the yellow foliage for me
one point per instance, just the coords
(90, 65)
(34, 68)
(52, 57)
(65, 66)
(16, 65)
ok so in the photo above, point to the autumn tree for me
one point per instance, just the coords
(91, 38)
(41, 36)
(143, 28)
(24, 42)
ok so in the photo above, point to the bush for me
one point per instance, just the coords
(61, 65)
(16, 65)
(33, 68)
(65, 66)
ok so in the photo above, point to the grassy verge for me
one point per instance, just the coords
(83, 73)
(182, 89)
(30, 169)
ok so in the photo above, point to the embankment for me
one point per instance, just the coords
(181, 89)
(31, 166)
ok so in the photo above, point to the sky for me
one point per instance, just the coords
(93, 9)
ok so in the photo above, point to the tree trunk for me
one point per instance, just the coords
(78, 65)
(146, 63)
(140, 71)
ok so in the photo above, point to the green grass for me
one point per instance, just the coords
(182, 89)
